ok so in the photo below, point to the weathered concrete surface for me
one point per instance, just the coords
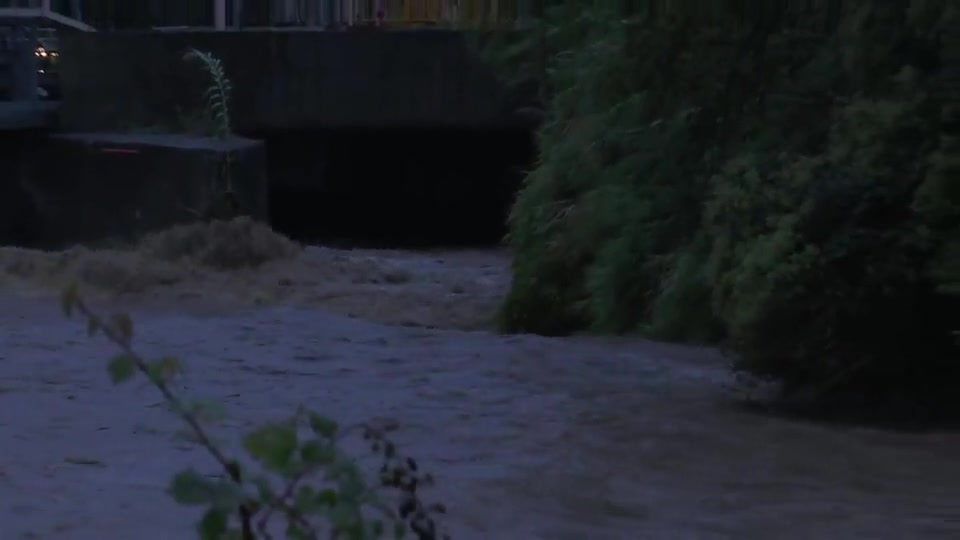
(282, 79)
(92, 187)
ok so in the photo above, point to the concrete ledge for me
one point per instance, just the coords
(282, 80)
(15, 115)
(90, 187)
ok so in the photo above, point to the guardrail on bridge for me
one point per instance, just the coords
(63, 13)
(236, 14)
(391, 13)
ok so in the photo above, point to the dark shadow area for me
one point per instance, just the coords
(19, 219)
(396, 188)
(905, 416)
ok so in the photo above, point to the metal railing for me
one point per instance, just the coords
(393, 13)
(87, 15)
(236, 14)
(68, 15)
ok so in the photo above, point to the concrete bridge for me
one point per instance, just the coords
(361, 112)
(322, 63)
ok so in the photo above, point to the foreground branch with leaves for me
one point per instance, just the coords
(302, 476)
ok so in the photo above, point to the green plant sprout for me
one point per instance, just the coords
(303, 476)
(216, 98)
(217, 95)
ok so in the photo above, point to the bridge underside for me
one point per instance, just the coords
(382, 137)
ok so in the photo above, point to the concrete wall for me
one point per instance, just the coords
(282, 79)
(88, 188)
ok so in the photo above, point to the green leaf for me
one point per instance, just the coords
(161, 371)
(206, 410)
(327, 497)
(347, 521)
(357, 531)
(273, 445)
(264, 489)
(317, 454)
(323, 426)
(304, 500)
(213, 524)
(296, 531)
(121, 368)
(191, 488)
(350, 481)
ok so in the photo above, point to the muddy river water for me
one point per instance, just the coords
(528, 437)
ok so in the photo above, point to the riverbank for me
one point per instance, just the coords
(528, 437)
(189, 268)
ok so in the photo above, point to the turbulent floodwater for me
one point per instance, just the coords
(528, 437)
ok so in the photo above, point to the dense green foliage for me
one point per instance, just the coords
(786, 181)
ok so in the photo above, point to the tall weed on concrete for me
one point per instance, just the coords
(295, 470)
(216, 99)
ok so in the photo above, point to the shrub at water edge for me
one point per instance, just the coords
(778, 180)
